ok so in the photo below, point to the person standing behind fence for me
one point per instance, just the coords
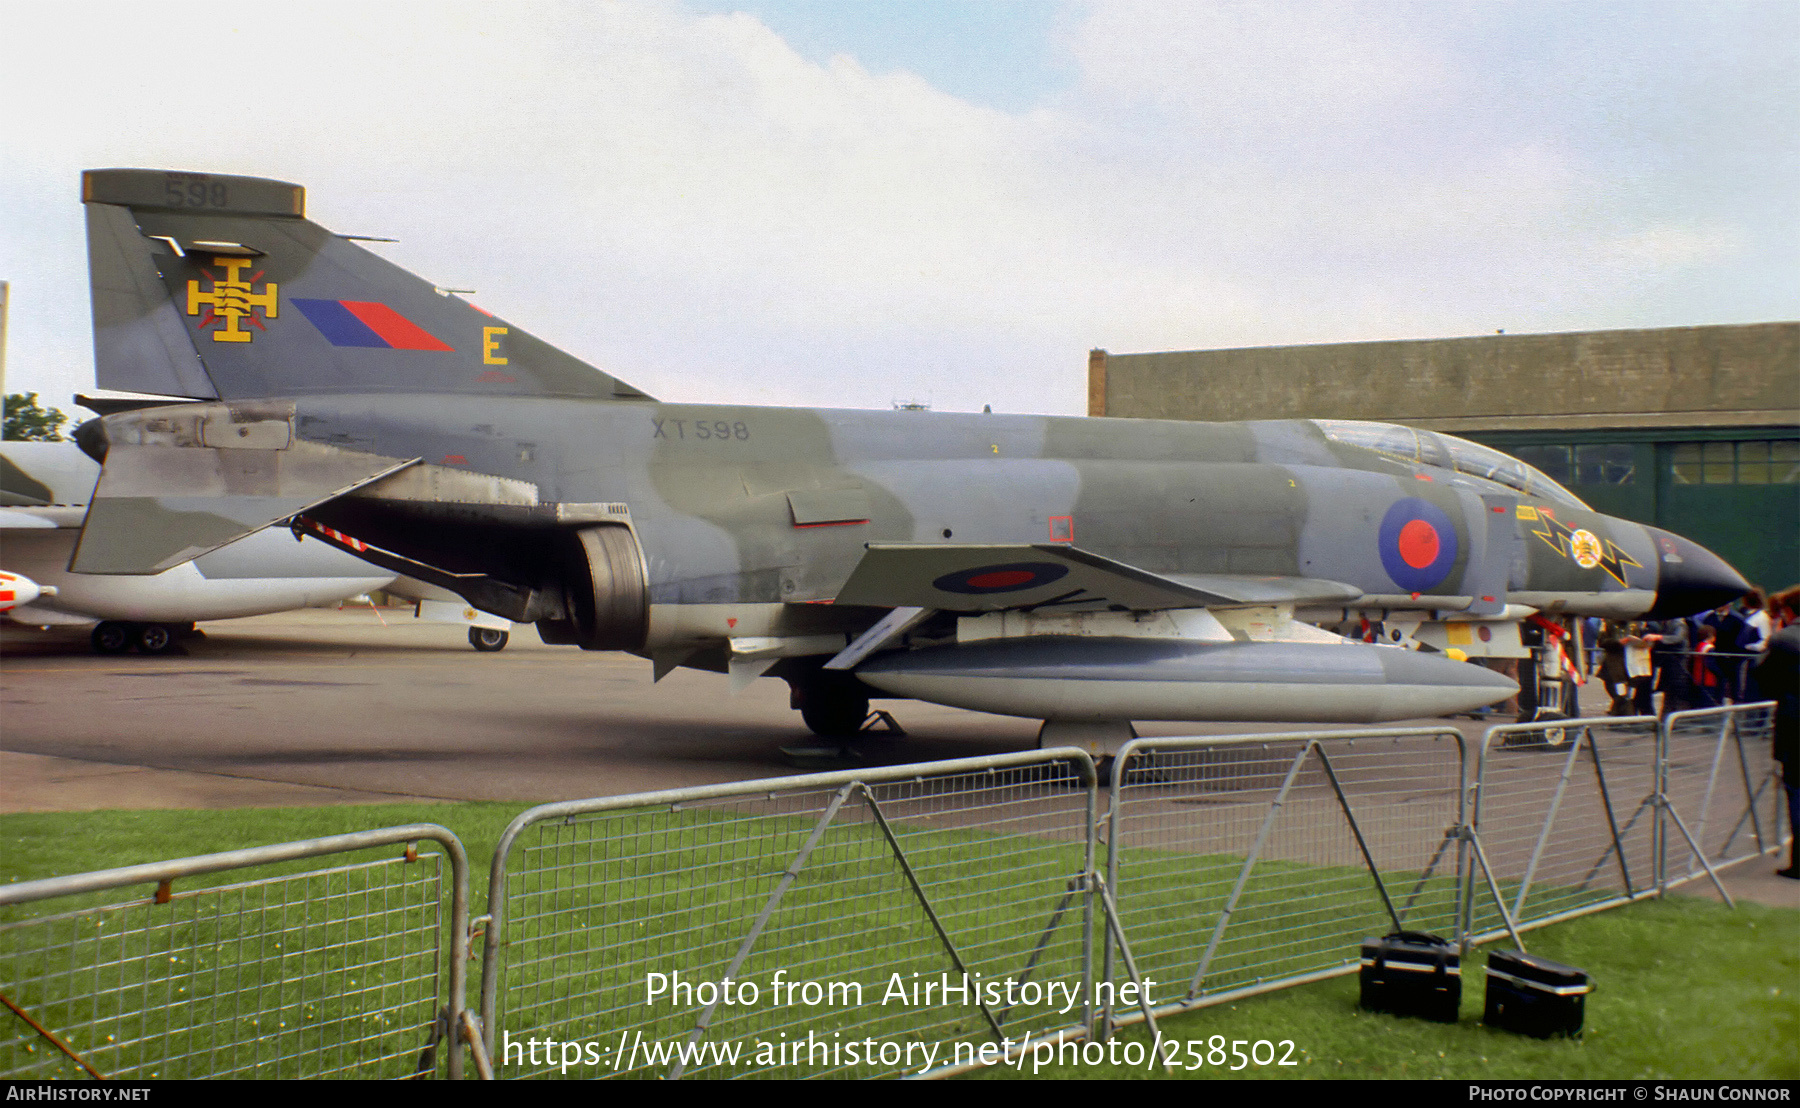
(1640, 670)
(1754, 641)
(1729, 661)
(1778, 676)
(1613, 671)
(1757, 625)
(1668, 641)
(1707, 688)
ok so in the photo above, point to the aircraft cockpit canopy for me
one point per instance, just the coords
(1447, 452)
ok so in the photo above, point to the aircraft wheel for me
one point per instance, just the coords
(487, 639)
(112, 637)
(833, 711)
(155, 638)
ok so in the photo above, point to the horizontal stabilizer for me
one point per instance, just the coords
(991, 578)
(159, 506)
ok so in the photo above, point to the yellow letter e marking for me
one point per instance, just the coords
(490, 346)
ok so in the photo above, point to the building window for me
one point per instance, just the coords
(1766, 462)
(1610, 463)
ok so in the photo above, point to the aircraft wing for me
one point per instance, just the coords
(990, 578)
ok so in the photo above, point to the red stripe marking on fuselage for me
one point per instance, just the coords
(833, 523)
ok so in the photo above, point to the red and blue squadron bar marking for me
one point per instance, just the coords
(367, 323)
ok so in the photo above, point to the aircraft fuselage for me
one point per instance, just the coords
(742, 505)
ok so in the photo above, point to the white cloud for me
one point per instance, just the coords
(1242, 65)
(1669, 248)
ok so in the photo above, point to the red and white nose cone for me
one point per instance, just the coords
(16, 591)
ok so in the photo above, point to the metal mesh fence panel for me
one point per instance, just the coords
(332, 972)
(1723, 786)
(1566, 815)
(838, 906)
(1245, 864)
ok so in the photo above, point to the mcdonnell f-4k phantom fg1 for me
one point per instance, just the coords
(1085, 572)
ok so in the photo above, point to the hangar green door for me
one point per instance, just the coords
(1739, 498)
(1736, 492)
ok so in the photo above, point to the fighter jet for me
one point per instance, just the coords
(1085, 572)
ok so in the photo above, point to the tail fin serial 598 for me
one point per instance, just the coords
(217, 287)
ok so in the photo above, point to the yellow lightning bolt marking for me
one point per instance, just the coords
(1556, 534)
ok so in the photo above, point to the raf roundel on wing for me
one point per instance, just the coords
(1418, 544)
(1011, 577)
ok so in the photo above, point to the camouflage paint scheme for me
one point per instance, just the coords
(336, 391)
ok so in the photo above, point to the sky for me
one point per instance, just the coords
(853, 204)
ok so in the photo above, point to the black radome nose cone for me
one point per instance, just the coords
(1690, 578)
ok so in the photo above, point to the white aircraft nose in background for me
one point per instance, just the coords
(16, 591)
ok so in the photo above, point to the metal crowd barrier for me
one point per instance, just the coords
(331, 972)
(1566, 814)
(1723, 789)
(1251, 863)
(802, 926)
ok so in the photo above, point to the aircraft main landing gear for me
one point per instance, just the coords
(116, 637)
(834, 714)
(154, 638)
(833, 705)
(112, 637)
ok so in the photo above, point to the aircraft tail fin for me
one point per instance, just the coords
(212, 286)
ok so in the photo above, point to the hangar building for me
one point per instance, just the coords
(1693, 429)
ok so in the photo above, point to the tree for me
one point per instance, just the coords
(27, 422)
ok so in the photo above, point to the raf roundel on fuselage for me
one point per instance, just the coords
(1418, 544)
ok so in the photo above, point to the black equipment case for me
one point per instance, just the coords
(1534, 996)
(1410, 973)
